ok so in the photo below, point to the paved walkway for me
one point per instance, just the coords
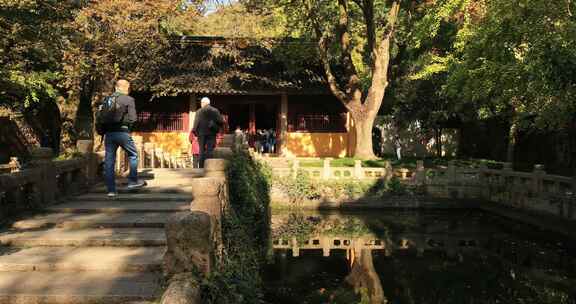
(93, 250)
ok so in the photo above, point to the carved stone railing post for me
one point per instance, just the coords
(572, 200)
(537, 180)
(41, 158)
(483, 181)
(358, 171)
(90, 172)
(420, 175)
(451, 173)
(326, 170)
(295, 167)
(14, 164)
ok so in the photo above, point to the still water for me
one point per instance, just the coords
(400, 257)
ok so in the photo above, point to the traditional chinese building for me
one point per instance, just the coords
(254, 88)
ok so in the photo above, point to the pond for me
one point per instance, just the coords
(410, 257)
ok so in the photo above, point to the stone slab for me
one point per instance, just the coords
(112, 206)
(136, 196)
(93, 220)
(108, 259)
(153, 187)
(116, 237)
(74, 287)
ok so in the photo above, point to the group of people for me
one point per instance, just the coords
(265, 141)
(116, 115)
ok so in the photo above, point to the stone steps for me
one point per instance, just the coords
(108, 259)
(78, 287)
(156, 187)
(94, 250)
(114, 206)
(94, 220)
(137, 197)
(107, 237)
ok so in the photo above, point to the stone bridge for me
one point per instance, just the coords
(84, 248)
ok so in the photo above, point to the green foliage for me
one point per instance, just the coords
(298, 189)
(396, 187)
(250, 194)
(33, 35)
(509, 59)
(235, 21)
(245, 230)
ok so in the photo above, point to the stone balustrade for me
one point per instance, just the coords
(45, 181)
(535, 191)
(194, 239)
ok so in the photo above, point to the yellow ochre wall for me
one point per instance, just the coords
(172, 142)
(303, 144)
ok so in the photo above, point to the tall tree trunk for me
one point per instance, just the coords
(363, 125)
(512, 138)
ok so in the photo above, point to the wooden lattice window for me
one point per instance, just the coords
(161, 122)
(317, 123)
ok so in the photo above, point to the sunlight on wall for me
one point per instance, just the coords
(316, 144)
(172, 142)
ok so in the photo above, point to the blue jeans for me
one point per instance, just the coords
(112, 141)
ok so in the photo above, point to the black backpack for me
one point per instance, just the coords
(108, 114)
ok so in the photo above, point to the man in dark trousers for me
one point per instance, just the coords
(207, 123)
(117, 134)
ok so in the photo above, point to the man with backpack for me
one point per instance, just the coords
(207, 124)
(114, 118)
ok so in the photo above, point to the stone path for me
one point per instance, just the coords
(93, 250)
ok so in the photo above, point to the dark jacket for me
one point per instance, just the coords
(126, 115)
(208, 121)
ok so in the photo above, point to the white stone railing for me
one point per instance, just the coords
(327, 172)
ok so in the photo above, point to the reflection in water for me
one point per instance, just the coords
(413, 258)
(363, 276)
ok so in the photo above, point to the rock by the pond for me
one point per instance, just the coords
(183, 289)
(189, 236)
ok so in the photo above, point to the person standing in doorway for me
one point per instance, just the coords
(114, 117)
(206, 125)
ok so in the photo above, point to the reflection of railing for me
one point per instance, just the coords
(418, 242)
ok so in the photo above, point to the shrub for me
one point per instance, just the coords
(395, 186)
(299, 189)
(245, 233)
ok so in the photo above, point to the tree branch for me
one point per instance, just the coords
(343, 35)
(368, 12)
(325, 58)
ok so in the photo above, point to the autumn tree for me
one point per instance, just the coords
(121, 38)
(354, 39)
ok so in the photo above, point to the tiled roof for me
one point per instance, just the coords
(226, 66)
